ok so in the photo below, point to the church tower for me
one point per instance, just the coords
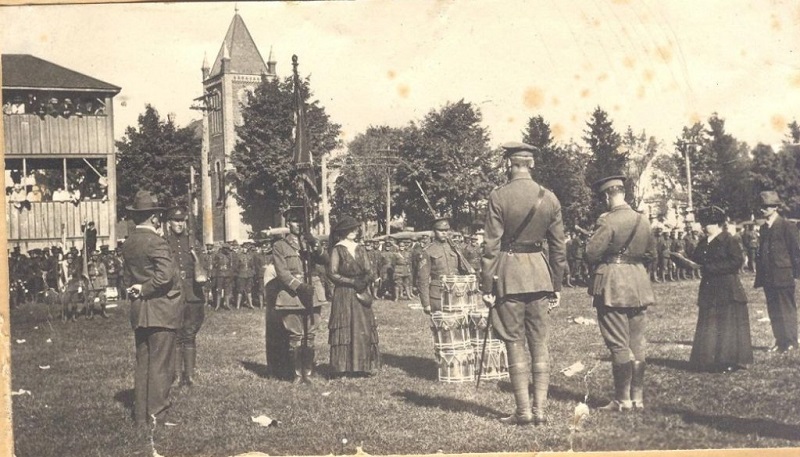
(238, 68)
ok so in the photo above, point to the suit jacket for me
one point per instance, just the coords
(778, 260)
(523, 272)
(721, 260)
(621, 284)
(148, 261)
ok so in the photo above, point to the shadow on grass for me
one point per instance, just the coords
(682, 365)
(554, 392)
(677, 343)
(417, 367)
(448, 404)
(259, 369)
(126, 398)
(741, 425)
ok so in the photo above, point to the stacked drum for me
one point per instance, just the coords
(458, 338)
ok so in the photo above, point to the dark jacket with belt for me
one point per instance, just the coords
(778, 261)
(621, 280)
(181, 246)
(523, 268)
(721, 260)
(148, 261)
(282, 290)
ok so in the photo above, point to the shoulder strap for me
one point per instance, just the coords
(633, 234)
(528, 217)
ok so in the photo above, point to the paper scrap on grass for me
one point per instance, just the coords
(44, 367)
(21, 392)
(581, 413)
(49, 341)
(111, 306)
(325, 394)
(156, 454)
(170, 424)
(265, 421)
(415, 305)
(573, 369)
(36, 328)
(764, 319)
(580, 320)
(20, 341)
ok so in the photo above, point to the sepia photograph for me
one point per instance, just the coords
(417, 227)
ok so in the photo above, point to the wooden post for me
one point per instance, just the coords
(111, 171)
(388, 200)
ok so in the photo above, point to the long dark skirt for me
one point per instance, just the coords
(722, 338)
(353, 334)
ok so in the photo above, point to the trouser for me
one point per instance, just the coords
(751, 258)
(302, 327)
(155, 371)
(782, 310)
(194, 315)
(623, 330)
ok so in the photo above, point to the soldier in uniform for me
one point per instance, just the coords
(184, 247)
(244, 270)
(653, 266)
(209, 293)
(401, 265)
(294, 300)
(374, 256)
(439, 258)
(386, 270)
(523, 268)
(223, 277)
(619, 248)
(96, 285)
(750, 243)
(664, 260)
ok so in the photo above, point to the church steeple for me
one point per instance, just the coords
(205, 68)
(241, 51)
(271, 64)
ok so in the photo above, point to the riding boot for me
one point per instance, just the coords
(178, 364)
(189, 359)
(238, 300)
(637, 384)
(396, 293)
(249, 298)
(541, 383)
(519, 372)
(622, 373)
(308, 365)
(296, 357)
(217, 300)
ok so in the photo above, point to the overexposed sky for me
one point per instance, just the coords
(653, 65)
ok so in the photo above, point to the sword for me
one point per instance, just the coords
(486, 335)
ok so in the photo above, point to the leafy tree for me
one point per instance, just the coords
(560, 169)
(361, 185)
(779, 171)
(607, 158)
(450, 157)
(156, 156)
(264, 175)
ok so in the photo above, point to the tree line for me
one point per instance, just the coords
(448, 154)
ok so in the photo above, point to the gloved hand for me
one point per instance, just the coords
(361, 284)
(306, 294)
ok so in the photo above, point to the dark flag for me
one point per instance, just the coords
(302, 149)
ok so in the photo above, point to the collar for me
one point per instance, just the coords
(772, 218)
(711, 237)
(147, 227)
(620, 206)
(521, 175)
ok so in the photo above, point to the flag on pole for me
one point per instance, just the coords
(302, 150)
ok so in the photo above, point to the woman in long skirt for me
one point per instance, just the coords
(353, 329)
(722, 340)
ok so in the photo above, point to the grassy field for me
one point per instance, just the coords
(81, 405)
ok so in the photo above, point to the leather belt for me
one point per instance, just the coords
(623, 259)
(522, 248)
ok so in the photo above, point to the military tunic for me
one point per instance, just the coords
(193, 311)
(620, 286)
(437, 259)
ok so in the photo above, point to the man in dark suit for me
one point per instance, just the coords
(619, 248)
(156, 307)
(777, 266)
(522, 267)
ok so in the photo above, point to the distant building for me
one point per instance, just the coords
(238, 68)
(59, 154)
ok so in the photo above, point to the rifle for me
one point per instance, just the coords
(461, 259)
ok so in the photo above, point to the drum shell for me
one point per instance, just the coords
(459, 293)
(495, 361)
(450, 330)
(478, 324)
(456, 365)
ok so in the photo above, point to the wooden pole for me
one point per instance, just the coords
(388, 200)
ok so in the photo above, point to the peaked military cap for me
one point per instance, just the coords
(610, 181)
(293, 215)
(177, 213)
(711, 215)
(517, 149)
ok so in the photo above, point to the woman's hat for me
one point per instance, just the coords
(345, 224)
(711, 215)
(145, 201)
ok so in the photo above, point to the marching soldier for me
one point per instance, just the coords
(619, 248)
(183, 247)
(523, 267)
(439, 258)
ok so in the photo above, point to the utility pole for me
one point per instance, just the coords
(326, 221)
(205, 172)
(684, 145)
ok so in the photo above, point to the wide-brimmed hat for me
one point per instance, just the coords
(770, 198)
(346, 223)
(145, 201)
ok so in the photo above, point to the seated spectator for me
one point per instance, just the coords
(18, 194)
(35, 194)
(61, 195)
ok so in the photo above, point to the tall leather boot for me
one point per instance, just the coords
(189, 359)
(296, 358)
(622, 388)
(238, 300)
(541, 384)
(178, 364)
(519, 371)
(637, 384)
(309, 361)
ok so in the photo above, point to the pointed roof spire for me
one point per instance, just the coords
(241, 51)
(205, 61)
(269, 59)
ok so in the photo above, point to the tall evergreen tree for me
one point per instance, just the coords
(606, 158)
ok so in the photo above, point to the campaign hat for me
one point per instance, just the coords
(145, 201)
(770, 198)
(441, 223)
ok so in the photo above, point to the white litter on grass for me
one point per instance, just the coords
(265, 421)
(20, 341)
(36, 328)
(573, 369)
(170, 424)
(111, 306)
(580, 320)
(325, 394)
(44, 367)
(49, 340)
(21, 392)
(415, 305)
(764, 319)
(581, 413)
(156, 454)
(234, 333)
